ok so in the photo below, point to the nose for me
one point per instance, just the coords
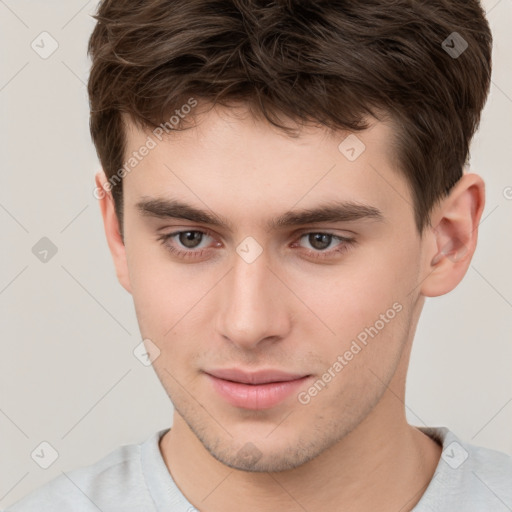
(254, 308)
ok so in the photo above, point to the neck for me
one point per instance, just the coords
(383, 464)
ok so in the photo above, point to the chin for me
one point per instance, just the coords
(254, 459)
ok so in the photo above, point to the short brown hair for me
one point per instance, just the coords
(424, 64)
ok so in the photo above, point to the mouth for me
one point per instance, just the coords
(255, 390)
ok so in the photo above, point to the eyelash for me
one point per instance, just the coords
(346, 244)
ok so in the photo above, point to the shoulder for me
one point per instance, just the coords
(116, 479)
(490, 471)
(478, 478)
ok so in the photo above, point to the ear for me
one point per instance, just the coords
(112, 231)
(453, 235)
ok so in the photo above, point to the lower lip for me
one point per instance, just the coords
(255, 396)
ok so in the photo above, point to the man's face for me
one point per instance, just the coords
(290, 297)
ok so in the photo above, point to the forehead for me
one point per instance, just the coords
(232, 162)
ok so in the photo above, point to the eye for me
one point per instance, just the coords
(190, 239)
(320, 241)
(194, 243)
(186, 244)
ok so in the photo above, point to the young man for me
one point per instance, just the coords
(283, 186)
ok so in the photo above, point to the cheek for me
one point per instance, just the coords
(366, 304)
(165, 301)
(161, 293)
(338, 303)
(352, 296)
(359, 362)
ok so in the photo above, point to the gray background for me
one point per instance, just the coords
(67, 372)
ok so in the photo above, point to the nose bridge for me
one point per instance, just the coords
(251, 310)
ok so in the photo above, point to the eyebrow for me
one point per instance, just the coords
(333, 211)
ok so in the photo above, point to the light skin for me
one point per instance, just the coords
(350, 447)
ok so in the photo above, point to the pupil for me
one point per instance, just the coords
(188, 238)
(320, 240)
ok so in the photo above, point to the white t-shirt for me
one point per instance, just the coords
(134, 478)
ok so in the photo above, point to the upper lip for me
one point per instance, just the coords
(257, 377)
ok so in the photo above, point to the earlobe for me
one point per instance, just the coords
(453, 235)
(112, 230)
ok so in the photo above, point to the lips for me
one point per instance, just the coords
(262, 389)
(259, 377)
